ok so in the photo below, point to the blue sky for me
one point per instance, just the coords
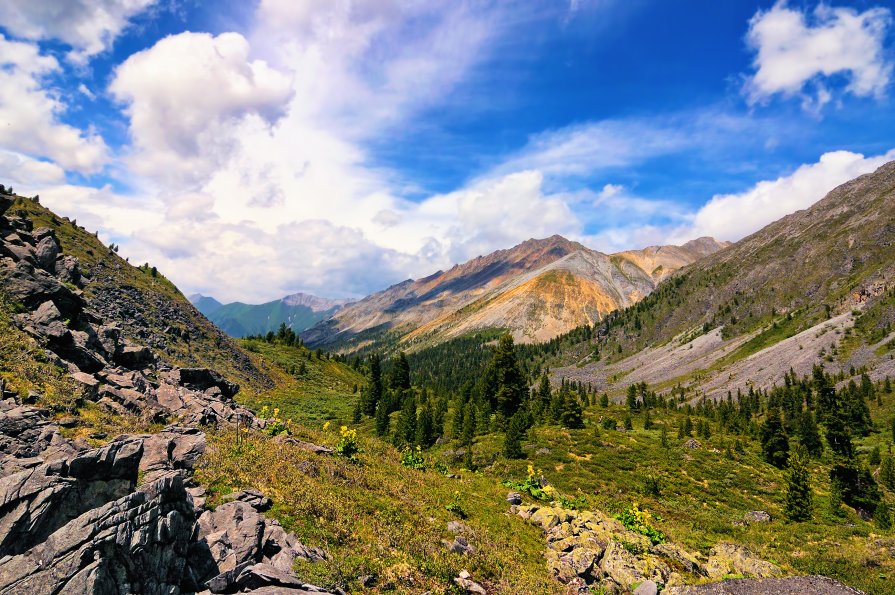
(250, 150)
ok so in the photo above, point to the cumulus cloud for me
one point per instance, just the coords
(183, 93)
(734, 216)
(88, 26)
(27, 171)
(799, 53)
(30, 112)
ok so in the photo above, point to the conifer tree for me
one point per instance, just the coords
(469, 423)
(357, 413)
(663, 436)
(503, 383)
(572, 416)
(425, 430)
(647, 421)
(627, 422)
(688, 426)
(882, 517)
(512, 443)
(604, 400)
(374, 394)
(887, 473)
(405, 427)
(632, 397)
(400, 377)
(774, 443)
(382, 419)
(875, 457)
(544, 395)
(809, 435)
(798, 489)
(838, 436)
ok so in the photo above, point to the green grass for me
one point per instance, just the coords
(324, 392)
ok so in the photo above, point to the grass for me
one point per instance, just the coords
(378, 518)
(310, 389)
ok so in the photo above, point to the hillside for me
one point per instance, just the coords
(298, 311)
(536, 290)
(812, 288)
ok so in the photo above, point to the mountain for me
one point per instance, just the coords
(536, 290)
(299, 311)
(814, 287)
(204, 304)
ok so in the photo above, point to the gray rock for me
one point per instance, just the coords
(134, 544)
(46, 252)
(514, 498)
(758, 516)
(646, 588)
(460, 545)
(464, 581)
(265, 575)
(37, 502)
(233, 533)
(253, 498)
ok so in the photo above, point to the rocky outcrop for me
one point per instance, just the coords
(82, 525)
(586, 548)
(796, 585)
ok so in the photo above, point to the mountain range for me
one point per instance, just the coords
(298, 311)
(536, 290)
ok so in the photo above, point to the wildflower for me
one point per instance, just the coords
(326, 426)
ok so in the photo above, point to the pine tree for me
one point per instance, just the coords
(688, 426)
(774, 443)
(572, 416)
(604, 400)
(512, 443)
(374, 394)
(663, 436)
(503, 383)
(544, 394)
(875, 457)
(798, 489)
(469, 423)
(838, 436)
(382, 419)
(883, 516)
(632, 397)
(405, 427)
(887, 473)
(357, 413)
(425, 431)
(809, 435)
(887, 385)
(647, 421)
(400, 377)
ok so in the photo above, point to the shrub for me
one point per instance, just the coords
(275, 425)
(347, 446)
(533, 486)
(640, 521)
(455, 507)
(413, 458)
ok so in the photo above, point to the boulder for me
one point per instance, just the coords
(646, 588)
(31, 287)
(134, 357)
(265, 575)
(201, 379)
(253, 498)
(730, 558)
(514, 498)
(233, 536)
(46, 252)
(758, 516)
(460, 545)
(464, 581)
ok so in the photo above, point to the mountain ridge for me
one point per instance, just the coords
(484, 292)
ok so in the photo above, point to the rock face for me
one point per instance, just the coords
(796, 585)
(83, 525)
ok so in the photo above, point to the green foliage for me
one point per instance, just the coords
(797, 506)
(533, 485)
(640, 521)
(774, 443)
(887, 473)
(883, 516)
(347, 446)
(455, 507)
(413, 458)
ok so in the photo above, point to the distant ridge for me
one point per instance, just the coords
(298, 311)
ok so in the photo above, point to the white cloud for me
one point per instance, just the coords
(734, 216)
(796, 52)
(29, 112)
(25, 170)
(184, 94)
(88, 26)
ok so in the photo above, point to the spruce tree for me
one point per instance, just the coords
(647, 421)
(400, 377)
(798, 489)
(663, 436)
(405, 427)
(632, 397)
(374, 395)
(425, 431)
(544, 394)
(838, 436)
(887, 473)
(809, 435)
(604, 400)
(572, 417)
(882, 517)
(357, 413)
(470, 416)
(688, 426)
(875, 457)
(512, 443)
(382, 419)
(503, 383)
(774, 443)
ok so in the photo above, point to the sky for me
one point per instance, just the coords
(254, 149)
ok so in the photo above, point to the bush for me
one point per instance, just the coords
(275, 425)
(413, 458)
(640, 521)
(455, 507)
(609, 423)
(533, 486)
(348, 446)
